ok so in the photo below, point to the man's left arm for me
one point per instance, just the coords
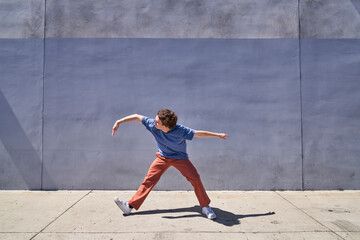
(207, 134)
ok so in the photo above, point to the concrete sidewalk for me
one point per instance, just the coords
(174, 215)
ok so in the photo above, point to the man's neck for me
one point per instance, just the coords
(166, 130)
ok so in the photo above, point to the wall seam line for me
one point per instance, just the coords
(301, 100)
(43, 102)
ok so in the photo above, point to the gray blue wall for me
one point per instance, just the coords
(280, 76)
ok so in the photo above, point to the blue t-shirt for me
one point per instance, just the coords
(170, 144)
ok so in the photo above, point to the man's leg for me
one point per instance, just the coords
(188, 170)
(157, 168)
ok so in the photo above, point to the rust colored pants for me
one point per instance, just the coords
(158, 167)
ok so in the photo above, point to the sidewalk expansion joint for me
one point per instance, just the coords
(308, 215)
(61, 214)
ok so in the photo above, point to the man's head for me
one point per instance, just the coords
(165, 120)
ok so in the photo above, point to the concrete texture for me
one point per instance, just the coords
(21, 98)
(330, 19)
(22, 19)
(172, 19)
(250, 85)
(31, 211)
(340, 208)
(331, 107)
(172, 215)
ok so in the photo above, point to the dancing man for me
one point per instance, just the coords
(171, 141)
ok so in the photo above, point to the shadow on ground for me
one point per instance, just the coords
(223, 217)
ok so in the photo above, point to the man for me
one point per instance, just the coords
(171, 141)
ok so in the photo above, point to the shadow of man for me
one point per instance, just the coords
(223, 217)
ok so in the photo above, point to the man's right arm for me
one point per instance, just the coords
(130, 118)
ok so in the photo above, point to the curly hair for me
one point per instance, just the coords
(167, 117)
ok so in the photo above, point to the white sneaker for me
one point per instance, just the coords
(208, 212)
(123, 205)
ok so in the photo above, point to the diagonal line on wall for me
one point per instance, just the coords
(16, 142)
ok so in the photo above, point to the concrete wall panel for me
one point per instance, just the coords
(331, 113)
(22, 19)
(172, 19)
(247, 88)
(21, 68)
(330, 19)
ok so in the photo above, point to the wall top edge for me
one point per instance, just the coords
(233, 19)
(190, 38)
